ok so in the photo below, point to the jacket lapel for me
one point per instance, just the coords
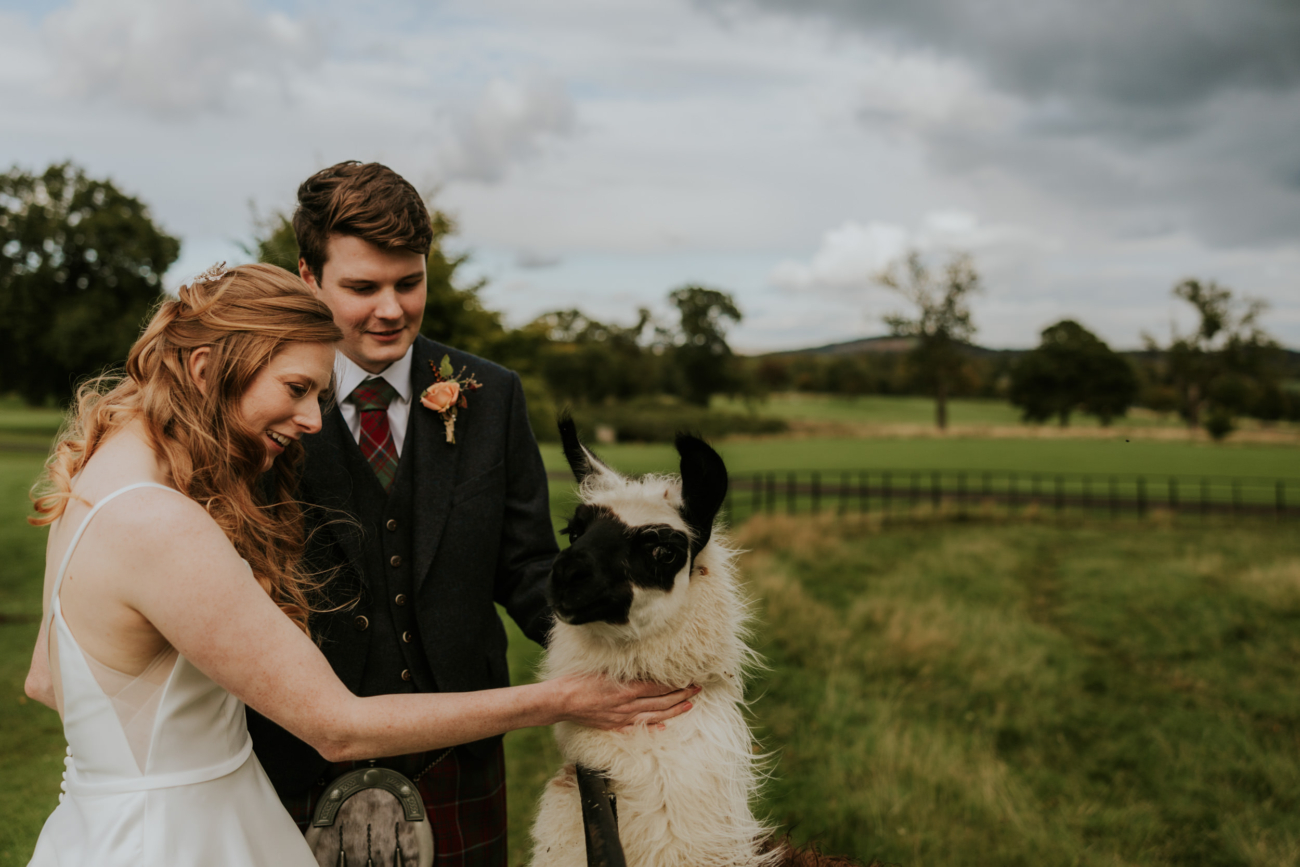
(329, 483)
(435, 464)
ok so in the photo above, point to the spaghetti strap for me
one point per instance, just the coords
(76, 537)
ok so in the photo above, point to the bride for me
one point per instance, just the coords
(174, 594)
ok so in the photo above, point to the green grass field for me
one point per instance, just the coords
(1025, 694)
(1152, 457)
(991, 692)
(876, 409)
(1018, 694)
(919, 410)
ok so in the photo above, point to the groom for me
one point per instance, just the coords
(432, 533)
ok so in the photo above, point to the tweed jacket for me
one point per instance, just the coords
(481, 533)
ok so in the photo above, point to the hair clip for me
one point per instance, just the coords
(212, 274)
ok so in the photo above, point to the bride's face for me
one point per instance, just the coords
(282, 400)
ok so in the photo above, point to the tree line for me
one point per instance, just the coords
(81, 265)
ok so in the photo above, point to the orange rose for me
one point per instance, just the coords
(441, 395)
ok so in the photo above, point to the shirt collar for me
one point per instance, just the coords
(348, 374)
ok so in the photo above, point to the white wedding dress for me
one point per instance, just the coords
(161, 771)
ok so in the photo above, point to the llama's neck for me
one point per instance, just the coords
(703, 645)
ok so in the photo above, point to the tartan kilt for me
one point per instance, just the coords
(464, 795)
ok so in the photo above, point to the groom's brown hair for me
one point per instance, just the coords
(366, 200)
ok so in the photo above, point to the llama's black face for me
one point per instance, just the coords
(633, 541)
(597, 577)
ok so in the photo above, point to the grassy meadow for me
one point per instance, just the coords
(985, 692)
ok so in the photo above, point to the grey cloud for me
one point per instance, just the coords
(510, 121)
(1180, 114)
(1162, 54)
(175, 58)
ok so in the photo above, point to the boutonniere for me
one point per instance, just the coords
(447, 394)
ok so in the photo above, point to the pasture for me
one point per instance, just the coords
(1156, 458)
(941, 693)
(1017, 693)
(899, 415)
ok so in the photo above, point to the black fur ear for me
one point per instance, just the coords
(704, 487)
(581, 460)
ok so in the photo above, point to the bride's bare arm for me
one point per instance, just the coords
(187, 580)
(39, 685)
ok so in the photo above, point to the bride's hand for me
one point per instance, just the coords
(600, 703)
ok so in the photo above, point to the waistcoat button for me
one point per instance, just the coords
(406, 674)
(395, 560)
(401, 599)
(406, 636)
(361, 622)
(392, 524)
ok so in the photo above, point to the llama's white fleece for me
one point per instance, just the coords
(683, 792)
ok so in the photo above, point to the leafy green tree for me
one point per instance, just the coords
(941, 322)
(453, 314)
(585, 361)
(81, 266)
(1228, 366)
(1072, 369)
(701, 359)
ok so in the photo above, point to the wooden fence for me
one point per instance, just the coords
(889, 492)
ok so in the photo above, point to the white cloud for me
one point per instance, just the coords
(510, 121)
(849, 257)
(175, 58)
(854, 254)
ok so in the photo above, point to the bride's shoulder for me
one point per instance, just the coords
(156, 519)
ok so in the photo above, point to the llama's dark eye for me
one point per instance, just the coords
(573, 531)
(662, 554)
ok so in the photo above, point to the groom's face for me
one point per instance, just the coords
(377, 296)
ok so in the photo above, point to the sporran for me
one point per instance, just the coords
(371, 817)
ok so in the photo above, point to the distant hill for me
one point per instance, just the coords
(885, 345)
(889, 345)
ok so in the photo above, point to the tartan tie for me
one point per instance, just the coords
(371, 398)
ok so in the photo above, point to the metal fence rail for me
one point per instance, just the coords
(888, 492)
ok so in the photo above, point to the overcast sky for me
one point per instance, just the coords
(1088, 153)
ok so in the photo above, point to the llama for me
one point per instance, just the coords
(647, 591)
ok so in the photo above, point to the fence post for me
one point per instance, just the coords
(1142, 496)
(816, 492)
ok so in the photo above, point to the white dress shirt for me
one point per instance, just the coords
(347, 376)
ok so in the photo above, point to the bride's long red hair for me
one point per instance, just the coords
(244, 316)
